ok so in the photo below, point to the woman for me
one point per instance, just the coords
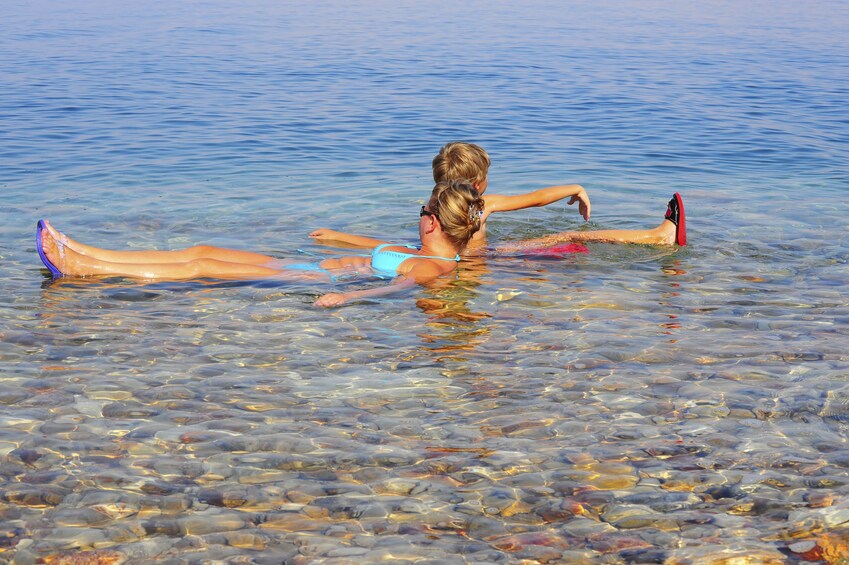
(446, 224)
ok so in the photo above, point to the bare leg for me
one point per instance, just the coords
(73, 263)
(671, 231)
(148, 257)
(664, 234)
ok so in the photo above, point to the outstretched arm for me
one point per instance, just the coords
(339, 298)
(326, 235)
(541, 197)
(424, 271)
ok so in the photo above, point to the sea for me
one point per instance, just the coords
(633, 404)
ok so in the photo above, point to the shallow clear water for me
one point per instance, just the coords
(635, 404)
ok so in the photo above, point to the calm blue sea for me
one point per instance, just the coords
(635, 404)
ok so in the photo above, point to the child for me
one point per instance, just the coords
(466, 161)
(460, 160)
(446, 224)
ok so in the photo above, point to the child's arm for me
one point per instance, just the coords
(541, 197)
(424, 271)
(350, 239)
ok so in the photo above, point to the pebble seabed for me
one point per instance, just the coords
(426, 468)
(622, 406)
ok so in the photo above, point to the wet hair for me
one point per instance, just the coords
(459, 160)
(459, 208)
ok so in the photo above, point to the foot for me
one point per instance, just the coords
(63, 239)
(666, 233)
(675, 216)
(64, 260)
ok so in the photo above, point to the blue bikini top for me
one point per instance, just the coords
(389, 261)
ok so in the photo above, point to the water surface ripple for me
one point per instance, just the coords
(630, 405)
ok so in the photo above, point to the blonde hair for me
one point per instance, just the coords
(459, 160)
(459, 208)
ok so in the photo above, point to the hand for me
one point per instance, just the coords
(323, 233)
(584, 204)
(331, 299)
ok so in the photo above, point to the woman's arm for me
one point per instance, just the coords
(423, 271)
(339, 298)
(541, 197)
(324, 235)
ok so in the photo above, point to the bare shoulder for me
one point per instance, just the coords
(425, 269)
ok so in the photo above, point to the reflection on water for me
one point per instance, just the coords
(629, 405)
